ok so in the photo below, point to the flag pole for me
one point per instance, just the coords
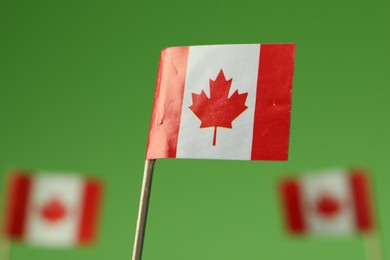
(373, 246)
(5, 241)
(5, 249)
(143, 209)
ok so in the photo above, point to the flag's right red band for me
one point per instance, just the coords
(271, 130)
(88, 221)
(361, 194)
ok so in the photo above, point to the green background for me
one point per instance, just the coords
(77, 81)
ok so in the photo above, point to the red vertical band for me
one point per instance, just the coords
(89, 211)
(16, 209)
(361, 195)
(291, 199)
(168, 100)
(271, 128)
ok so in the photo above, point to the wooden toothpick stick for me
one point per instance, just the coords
(373, 247)
(143, 209)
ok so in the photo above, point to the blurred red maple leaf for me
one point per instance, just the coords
(328, 206)
(53, 211)
(219, 110)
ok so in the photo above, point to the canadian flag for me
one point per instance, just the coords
(223, 102)
(52, 210)
(333, 202)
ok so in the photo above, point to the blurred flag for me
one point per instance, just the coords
(52, 210)
(329, 203)
(223, 102)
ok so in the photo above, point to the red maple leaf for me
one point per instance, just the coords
(328, 206)
(219, 110)
(53, 211)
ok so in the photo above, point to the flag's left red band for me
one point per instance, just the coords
(19, 187)
(291, 197)
(168, 100)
